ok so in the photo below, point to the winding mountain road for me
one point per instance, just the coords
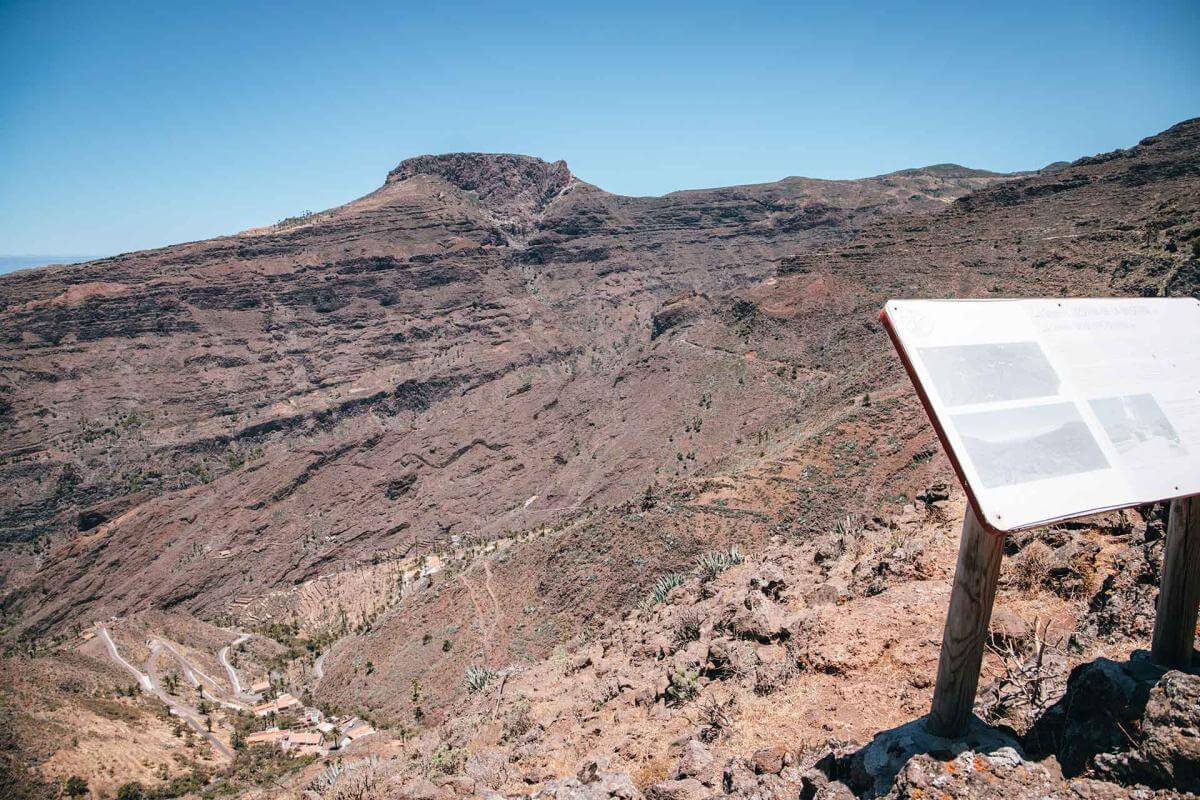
(205, 684)
(147, 683)
(223, 657)
(142, 678)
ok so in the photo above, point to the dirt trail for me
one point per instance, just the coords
(491, 591)
(487, 621)
(479, 613)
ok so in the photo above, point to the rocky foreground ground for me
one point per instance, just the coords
(804, 670)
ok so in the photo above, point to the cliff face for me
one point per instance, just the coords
(514, 190)
(487, 344)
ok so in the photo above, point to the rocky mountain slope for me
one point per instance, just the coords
(191, 425)
(464, 425)
(846, 435)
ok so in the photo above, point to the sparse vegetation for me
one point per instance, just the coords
(75, 786)
(682, 687)
(200, 471)
(448, 760)
(849, 526)
(717, 718)
(1032, 566)
(1030, 682)
(517, 720)
(687, 628)
(131, 791)
(291, 222)
(770, 678)
(254, 766)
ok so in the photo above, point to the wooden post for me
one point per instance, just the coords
(966, 631)
(1179, 589)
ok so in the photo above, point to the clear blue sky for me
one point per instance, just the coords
(126, 125)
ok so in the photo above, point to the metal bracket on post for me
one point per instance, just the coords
(966, 632)
(1179, 589)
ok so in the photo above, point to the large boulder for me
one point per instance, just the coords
(1131, 722)
(1170, 747)
(1123, 605)
(1072, 568)
(742, 779)
(871, 771)
(758, 618)
(592, 783)
(681, 789)
(1166, 748)
(1000, 775)
(695, 760)
(1103, 703)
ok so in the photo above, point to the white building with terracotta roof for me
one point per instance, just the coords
(303, 739)
(356, 730)
(269, 736)
(282, 703)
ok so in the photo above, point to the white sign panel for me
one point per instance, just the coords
(1053, 409)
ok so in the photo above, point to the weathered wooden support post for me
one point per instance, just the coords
(1179, 589)
(966, 631)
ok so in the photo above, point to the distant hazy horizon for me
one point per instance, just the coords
(10, 263)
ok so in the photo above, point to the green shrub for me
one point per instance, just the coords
(683, 687)
(131, 791)
(448, 760)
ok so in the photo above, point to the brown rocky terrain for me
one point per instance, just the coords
(462, 425)
(185, 424)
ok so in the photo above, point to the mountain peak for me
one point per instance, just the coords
(948, 171)
(500, 181)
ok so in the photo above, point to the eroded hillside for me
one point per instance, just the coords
(192, 425)
(460, 428)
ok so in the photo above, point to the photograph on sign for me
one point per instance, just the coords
(1052, 409)
(1018, 445)
(983, 373)
(1137, 427)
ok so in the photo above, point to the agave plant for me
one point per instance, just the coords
(714, 562)
(326, 778)
(477, 678)
(663, 586)
(850, 525)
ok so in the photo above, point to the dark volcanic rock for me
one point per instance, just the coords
(514, 188)
(1131, 722)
